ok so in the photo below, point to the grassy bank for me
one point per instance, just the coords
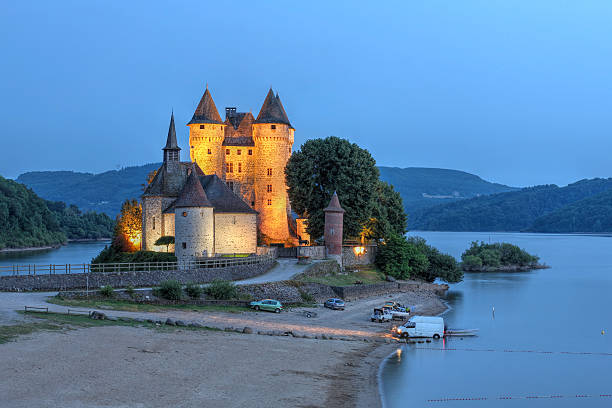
(127, 306)
(366, 274)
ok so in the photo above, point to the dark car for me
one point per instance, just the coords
(337, 304)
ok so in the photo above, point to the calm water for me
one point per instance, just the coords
(562, 309)
(73, 253)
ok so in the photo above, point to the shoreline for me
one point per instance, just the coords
(47, 247)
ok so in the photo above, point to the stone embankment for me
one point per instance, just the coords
(135, 279)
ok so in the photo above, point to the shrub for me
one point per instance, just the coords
(107, 291)
(130, 290)
(194, 290)
(221, 290)
(306, 297)
(471, 262)
(171, 290)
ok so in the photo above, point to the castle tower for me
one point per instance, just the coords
(334, 219)
(194, 223)
(206, 133)
(273, 137)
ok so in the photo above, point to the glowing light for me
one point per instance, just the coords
(360, 250)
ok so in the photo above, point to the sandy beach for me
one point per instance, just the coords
(119, 366)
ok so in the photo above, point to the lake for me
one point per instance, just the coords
(556, 311)
(72, 253)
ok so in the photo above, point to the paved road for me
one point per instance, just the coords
(11, 301)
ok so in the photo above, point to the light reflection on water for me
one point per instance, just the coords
(561, 309)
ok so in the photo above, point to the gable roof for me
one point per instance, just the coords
(222, 198)
(193, 194)
(206, 112)
(272, 110)
(171, 143)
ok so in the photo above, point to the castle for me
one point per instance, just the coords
(233, 187)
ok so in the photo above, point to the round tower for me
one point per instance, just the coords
(273, 137)
(334, 221)
(193, 224)
(206, 134)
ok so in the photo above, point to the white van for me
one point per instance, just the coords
(422, 326)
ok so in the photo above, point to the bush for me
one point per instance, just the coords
(107, 291)
(471, 262)
(194, 290)
(221, 290)
(306, 297)
(171, 290)
(498, 254)
(130, 290)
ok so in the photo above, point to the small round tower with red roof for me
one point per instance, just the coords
(334, 218)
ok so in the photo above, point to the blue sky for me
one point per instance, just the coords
(518, 92)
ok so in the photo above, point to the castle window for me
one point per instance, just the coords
(238, 152)
(250, 152)
(269, 188)
(209, 151)
(229, 167)
(239, 167)
(226, 151)
(269, 202)
(201, 126)
(153, 222)
(272, 126)
(230, 184)
(269, 172)
(184, 245)
(252, 203)
(234, 220)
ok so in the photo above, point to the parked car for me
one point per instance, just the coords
(396, 306)
(270, 305)
(422, 326)
(334, 303)
(381, 315)
(399, 314)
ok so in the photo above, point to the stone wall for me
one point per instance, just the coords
(350, 259)
(195, 235)
(314, 252)
(201, 140)
(383, 288)
(264, 250)
(235, 233)
(288, 291)
(124, 279)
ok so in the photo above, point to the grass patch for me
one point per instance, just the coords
(365, 274)
(10, 333)
(127, 306)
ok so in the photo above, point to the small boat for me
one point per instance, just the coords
(461, 332)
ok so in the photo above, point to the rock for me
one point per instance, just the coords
(228, 329)
(170, 322)
(389, 278)
(111, 318)
(323, 337)
(247, 330)
(197, 324)
(125, 319)
(97, 315)
(150, 321)
(180, 323)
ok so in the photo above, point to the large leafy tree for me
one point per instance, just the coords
(323, 166)
(128, 230)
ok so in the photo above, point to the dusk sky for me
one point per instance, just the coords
(517, 92)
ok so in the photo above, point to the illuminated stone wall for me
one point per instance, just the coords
(201, 140)
(235, 233)
(151, 222)
(194, 227)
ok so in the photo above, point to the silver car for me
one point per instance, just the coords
(334, 303)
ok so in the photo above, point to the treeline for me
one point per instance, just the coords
(546, 208)
(27, 220)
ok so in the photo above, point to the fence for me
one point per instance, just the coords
(218, 262)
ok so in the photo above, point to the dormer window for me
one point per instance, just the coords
(272, 127)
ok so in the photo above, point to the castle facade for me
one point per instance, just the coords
(250, 155)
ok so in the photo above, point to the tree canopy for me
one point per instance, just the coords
(322, 166)
(128, 230)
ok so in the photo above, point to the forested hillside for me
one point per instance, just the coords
(104, 192)
(512, 211)
(26, 220)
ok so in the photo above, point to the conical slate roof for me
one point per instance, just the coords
(334, 204)
(171, 143)
(193, 194)
(272, 110)
(206, 112)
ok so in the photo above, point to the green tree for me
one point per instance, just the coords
(166, 240)
(440, 265)
(322, 166)
(398, 258)
(128, 230)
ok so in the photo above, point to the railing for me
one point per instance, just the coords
(204, 263)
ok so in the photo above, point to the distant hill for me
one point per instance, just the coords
(104, 192)
(532, 208)
(422, 187)
(593, 214)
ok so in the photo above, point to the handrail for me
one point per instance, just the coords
(204, 263)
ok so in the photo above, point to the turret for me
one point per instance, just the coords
(193, 223)
(273, 137)
(206, 133)
(334, 222)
